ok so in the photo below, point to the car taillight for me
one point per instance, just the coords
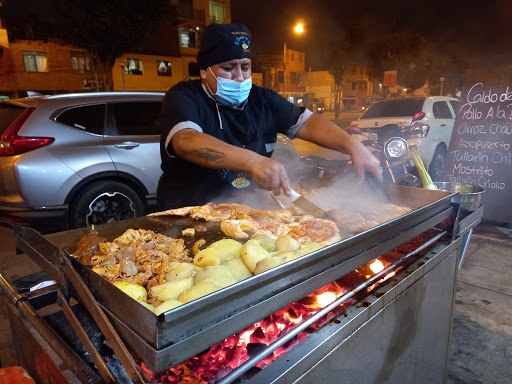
(419, 130)
(11, 144)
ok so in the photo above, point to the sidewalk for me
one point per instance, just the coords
(481, 342)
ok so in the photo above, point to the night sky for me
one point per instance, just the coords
(479, 30)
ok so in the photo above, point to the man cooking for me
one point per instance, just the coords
(219, 132)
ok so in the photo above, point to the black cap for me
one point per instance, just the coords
(224, 42)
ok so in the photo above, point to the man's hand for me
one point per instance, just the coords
(364, 161)
(270, 175)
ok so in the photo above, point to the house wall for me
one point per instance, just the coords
(59, 78)
(149, 80)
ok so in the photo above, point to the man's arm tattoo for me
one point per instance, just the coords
(207, 154)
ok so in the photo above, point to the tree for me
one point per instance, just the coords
(346, 50)
(107, 29)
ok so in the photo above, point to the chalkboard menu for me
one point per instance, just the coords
(480, 150)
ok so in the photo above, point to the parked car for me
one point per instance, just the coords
(74, 160)
(435, 127)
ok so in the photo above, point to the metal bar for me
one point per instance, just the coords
(233, 375)
(101, 319)
(61, 349)
(464, 245)
(102, 368)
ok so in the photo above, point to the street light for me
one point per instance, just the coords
(298, 29)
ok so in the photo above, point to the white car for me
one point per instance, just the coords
(435, 126)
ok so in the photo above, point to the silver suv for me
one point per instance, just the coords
(78, 159)
(70, 161)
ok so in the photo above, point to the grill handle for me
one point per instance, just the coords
(100, 318)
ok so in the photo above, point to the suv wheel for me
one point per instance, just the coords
(436, 168)
(105, 202)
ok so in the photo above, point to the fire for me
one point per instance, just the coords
(325, 299)
(377, 266)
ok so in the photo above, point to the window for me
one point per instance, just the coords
(392, 108)
(89, 118)
(455, 106)
(80, 62)
(188, 38)
(300, 57)
(8, 114)
(293, 56)
(35, 61)
(217, 12)
(133, 66)
(280, 76)
(441, 110)
(354, 85)
(294, 79)
(163, 68)
(138, 118)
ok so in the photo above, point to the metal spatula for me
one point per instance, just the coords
(306, 205)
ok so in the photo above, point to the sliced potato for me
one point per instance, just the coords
(219, 274)
(226, 247)
(172, 289)
(180, 270)
(238, 268)
(167, 306)
(265, 241)
(198, 290)
(135, 291)
(252, 252)
(287, 243)
(269, 262)
(309, 247)
(206, 258)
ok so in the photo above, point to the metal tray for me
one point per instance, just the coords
(185, 331)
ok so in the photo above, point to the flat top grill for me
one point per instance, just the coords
(167, 340)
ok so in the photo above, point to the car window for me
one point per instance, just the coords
(8, 113)
(139, 118)
(455, 106)
(393, 108)
(441, 110)
(90, 118)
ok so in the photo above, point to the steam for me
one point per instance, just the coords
(347, 194)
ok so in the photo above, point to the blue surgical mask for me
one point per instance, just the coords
(230, 92)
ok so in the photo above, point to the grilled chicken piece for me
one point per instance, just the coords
(320, 231)
(236, 228)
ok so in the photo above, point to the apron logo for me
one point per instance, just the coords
(240, 182)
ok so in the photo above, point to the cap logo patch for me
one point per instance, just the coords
(242, 40)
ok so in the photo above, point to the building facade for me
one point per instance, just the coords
(49, 67)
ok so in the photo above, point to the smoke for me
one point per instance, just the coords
(347, 194)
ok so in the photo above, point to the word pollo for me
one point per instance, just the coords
(469, 112)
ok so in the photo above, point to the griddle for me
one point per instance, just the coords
(183, 332)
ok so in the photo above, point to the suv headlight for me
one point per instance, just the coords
(395, 147)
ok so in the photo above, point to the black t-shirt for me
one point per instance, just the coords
(254, 127)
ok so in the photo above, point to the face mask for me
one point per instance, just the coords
(230, 92)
